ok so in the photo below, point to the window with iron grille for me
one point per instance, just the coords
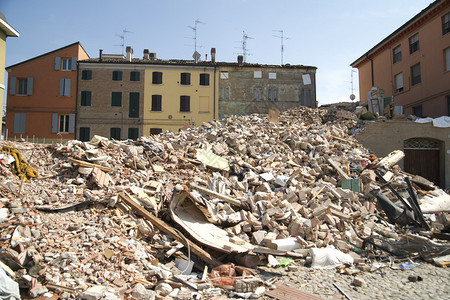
(204, 79)
(156, 102)
(272, 94)
(117, 76)
(135, 76)
(157, 78)
(397, 52)
(446, 24)
(185, 79)
(414, 43)
(415, 75)
(185, 103)
(417, 111)
(224, 93)
(257, 93)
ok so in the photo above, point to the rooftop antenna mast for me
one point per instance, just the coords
(282, 38)
(122, 37)
(245, 37)
(196, 55)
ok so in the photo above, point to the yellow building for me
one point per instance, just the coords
(5, 31)
(179, 96)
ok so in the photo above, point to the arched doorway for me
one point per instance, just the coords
(422, 157)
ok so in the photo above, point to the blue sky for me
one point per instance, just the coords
(327, 34)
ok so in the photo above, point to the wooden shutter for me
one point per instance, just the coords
(29, 85)
(67, 87)
(61, 87)
(71, 123)
(19, 122)
(54, 123)
(57, 63)
(74, 63)
(12, 85)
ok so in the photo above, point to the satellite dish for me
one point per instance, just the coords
(196, 56)
(352, 97)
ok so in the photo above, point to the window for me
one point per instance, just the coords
(115, 133)
(66, 64)
(257, 74)
(156, 103)
(417, 111)
(399, 83)
(24, 86)
(446, 24)
(21, 86)
(185, 103)
(272, 94)
(224, 93)
(117, 76)
(135, 76)
(415, 74)
(272, 75)
(63, 126)
(414, 43)
(397, 54)
(204, 79)
(185, 79)
(19, 122)
(155, 131)
(85, 133)
(133, 133)
(223, 75)
(86, 75)
(447, 59)
(86, 98)
(64, 87)
(134, 105)
(257, 93)
(116, 99)
(157, 78)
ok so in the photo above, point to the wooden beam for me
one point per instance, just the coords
(215, 194)
(89, 165)
(161, 225)
(338, 169)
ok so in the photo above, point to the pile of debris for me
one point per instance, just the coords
(150, 218)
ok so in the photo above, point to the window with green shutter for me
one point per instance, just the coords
(117, 76)
(116, 99)
(86, 75)
(135, 76)
(86, 98)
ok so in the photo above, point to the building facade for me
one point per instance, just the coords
(412, 65)
(42, 95)
(5, 31)
(125, 98)
(252, 88)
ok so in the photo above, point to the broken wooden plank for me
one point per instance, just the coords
(338, 169)
(215, 194)
(89, 165)
(101, 178)
(161, 225)
(283, 292)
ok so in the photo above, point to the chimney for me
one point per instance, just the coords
(213, 55)
(240, 60)
(100, 52)
(129, 51)
(146, 54)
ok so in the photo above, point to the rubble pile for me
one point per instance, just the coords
(145, 219)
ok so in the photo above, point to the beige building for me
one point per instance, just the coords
(5, 31)
(412, 64)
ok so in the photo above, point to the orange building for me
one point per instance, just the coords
(41, 101)
(413, 64)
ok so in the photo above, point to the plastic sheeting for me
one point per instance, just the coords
(9, 289)
(442, 122)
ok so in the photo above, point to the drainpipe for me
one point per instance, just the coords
(214, 110)
(76, 103)
(371, 68)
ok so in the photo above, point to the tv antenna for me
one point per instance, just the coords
(122, 38)
(196, 55)
(352, 96)
(282, 38)
(244, 52)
